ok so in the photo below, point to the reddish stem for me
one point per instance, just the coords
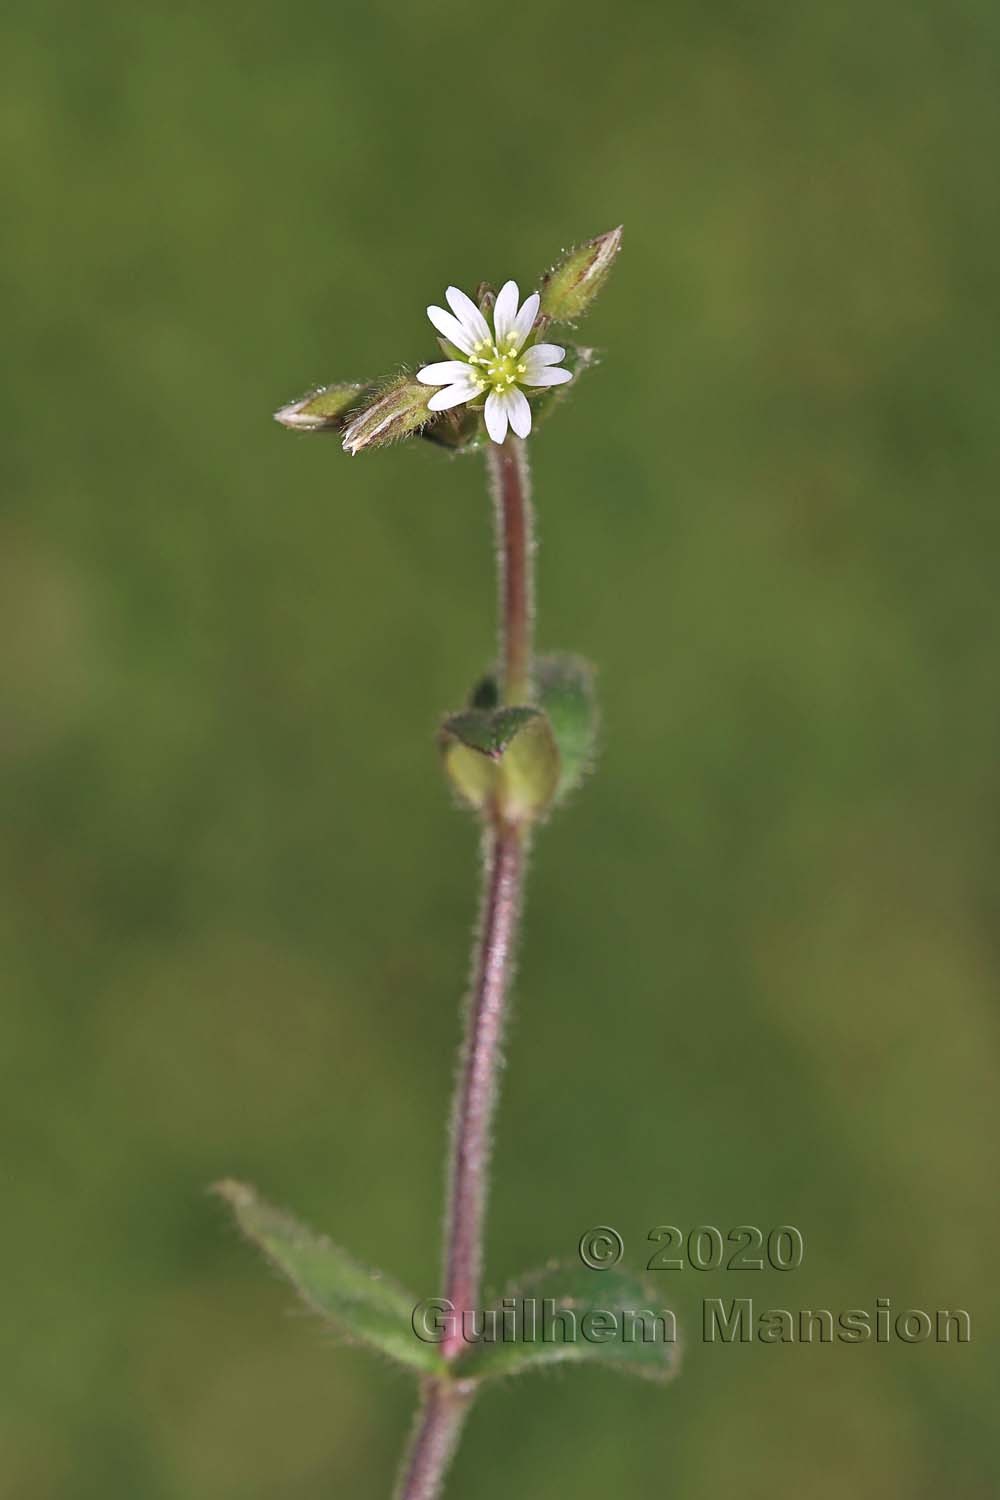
(476, 1097)
(435, 1436)
(446, 1398)
(511, 486)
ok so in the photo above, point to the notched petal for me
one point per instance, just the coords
(525, 320)
(496, 417)
(548, 376)
(444, 372)
(519, 413)
(505, 311)
(468, 314)
(452, 395)
(454, 331)
(544, 354)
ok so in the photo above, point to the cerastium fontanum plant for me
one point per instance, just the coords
(517, 749)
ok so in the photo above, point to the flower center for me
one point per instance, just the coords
(493, 367)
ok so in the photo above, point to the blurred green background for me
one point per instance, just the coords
(759, 972)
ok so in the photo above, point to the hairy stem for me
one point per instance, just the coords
(510, 482)
(503, 865)
(446, 1398)
(476, 1096)
(435, 1436)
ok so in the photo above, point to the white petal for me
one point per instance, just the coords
(468, 315)
(452, 395)
(452, 329)
(525, 320)
(540, 355)
(496, 417)
(505, 310)
(444, 373)
(519, 412)
(548, 376)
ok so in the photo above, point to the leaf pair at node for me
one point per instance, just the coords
(562, 1314)
(520, 761)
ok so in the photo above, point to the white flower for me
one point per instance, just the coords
(496, 360)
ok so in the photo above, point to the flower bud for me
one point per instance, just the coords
(323, 410)
(571, 286)
(485, 298)
(397, 411)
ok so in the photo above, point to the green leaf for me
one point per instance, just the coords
(565, 687)
(489, 732)
(363, 1305)
(609, 1317)
(506, 758)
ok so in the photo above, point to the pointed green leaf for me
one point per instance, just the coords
(364, 1305)
(506, 758)
(489, 732)
(573, 1314)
